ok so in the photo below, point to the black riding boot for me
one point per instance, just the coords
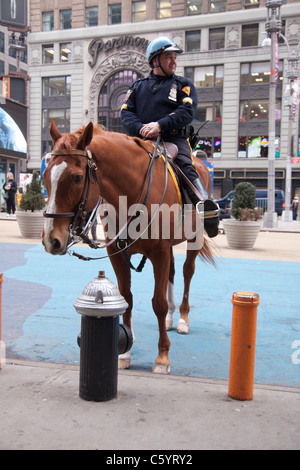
(206, 205)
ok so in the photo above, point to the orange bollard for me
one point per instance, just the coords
(1, 280)
(243, 339)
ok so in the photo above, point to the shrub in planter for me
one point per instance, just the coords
(33, 199)
(30, 216)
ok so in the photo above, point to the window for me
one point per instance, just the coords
(249, 35)
(48, 20)
(206, 76)
(65, 19)
(194, 7)
(258, 110)
(163, 9)
(209, 111)
(2, 71)
(111, 97)
(192, 41)
(2, 42)
(66, 52)
(258, 73)
(60, 116)
(138, 11)
(91, 16)
(257, 147)
(217, 6)
(48, 53)
(216, 38)
(211, 146)
(114, 13)
(56, 86)
(251, 3)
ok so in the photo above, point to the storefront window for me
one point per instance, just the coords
(257, 147)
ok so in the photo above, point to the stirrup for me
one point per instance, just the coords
(209, 214)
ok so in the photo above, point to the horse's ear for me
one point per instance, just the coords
(54, 132)
(86, 137)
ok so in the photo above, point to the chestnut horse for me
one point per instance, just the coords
(119, 165)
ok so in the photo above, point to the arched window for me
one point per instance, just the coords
(111, 98)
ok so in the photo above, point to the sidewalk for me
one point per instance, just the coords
(41, 407)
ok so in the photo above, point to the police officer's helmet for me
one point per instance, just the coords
(159, 46)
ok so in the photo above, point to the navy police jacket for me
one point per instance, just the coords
(172, 101)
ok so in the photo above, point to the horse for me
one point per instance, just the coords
(93, 163)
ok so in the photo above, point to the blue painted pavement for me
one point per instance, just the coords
(41, 324)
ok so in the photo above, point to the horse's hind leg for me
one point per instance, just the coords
(183, 326)
(123, 275)
(161, 263)
(170, 293)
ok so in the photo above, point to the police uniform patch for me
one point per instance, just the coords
(127, 95)
(187, 90)
(173, 93)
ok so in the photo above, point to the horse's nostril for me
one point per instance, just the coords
(56, 245)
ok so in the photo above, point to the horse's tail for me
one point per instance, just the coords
(206, 253)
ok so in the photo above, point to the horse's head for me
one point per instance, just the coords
(65, 180)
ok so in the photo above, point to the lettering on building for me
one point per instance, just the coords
(98, 45)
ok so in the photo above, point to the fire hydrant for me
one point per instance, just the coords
(102, 338)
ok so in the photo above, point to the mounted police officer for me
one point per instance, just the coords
(165, 104)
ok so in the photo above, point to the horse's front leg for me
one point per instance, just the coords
(161, 263)
(183, 326)
(123, 275)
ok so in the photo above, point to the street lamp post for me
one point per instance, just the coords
(292, 75)
(273, 26)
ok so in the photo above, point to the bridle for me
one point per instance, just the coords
(78, 226)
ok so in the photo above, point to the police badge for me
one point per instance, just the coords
(173, 93)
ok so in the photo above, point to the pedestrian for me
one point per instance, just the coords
(10, 188)
(165, 104)
(295, 206)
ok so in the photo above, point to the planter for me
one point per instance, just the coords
(241, 234)
(31, 224)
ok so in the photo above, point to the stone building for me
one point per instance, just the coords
(83, 54)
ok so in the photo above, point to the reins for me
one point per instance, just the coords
(122, 244)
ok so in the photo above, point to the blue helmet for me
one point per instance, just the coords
(159, 46)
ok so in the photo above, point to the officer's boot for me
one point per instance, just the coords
(206, 208)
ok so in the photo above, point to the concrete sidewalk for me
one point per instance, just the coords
(42, 410)
(41, 407)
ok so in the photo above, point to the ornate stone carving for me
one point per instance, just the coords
(35, 55)
(121, 60)
(293, 29)
(77, 51)
(232, 37)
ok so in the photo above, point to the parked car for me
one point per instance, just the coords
(261, 201)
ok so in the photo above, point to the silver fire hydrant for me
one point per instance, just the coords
(101, 338)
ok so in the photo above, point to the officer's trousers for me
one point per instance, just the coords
(184, 157)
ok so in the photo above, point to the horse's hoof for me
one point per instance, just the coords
(124, 361)
(183, 328)
(161, 369)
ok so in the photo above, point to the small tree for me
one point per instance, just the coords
(33, 199)
(244, 202)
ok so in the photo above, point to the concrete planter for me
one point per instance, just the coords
(31, 224)
(241, 234)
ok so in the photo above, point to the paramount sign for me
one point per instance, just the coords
(98, 45)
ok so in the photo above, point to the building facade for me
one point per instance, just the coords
(84, 54)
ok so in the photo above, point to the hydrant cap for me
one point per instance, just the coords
(100, 298)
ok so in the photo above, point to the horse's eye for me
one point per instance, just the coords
(78, 179)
